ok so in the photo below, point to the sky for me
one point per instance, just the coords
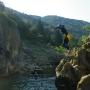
(74, 9)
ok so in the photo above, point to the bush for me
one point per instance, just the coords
(60, 49)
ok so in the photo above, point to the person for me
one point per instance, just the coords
(62, 28)
(66, 37)
(66, 42)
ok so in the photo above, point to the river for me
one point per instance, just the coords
(27, 83)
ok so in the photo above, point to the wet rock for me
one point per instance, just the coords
(59, 67)
(84, 83)
(65, 83)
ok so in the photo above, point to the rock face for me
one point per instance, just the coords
(9, 43)
(84, 83)
(80, 72)
(84, 56)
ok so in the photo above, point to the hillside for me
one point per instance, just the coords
(73, 26)
(36, 38)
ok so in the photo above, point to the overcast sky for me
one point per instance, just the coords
(75, 9)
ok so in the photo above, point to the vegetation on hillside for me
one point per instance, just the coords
(40, 41)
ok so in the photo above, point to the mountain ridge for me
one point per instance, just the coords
(38, 38)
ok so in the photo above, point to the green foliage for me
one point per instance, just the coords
(87, 27)
(73, 26)
(82, 40)
(60, 49)
(73, 42)
(56, 38)
(38, 32)
(22, 26)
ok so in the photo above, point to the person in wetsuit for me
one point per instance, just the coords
(66, 38)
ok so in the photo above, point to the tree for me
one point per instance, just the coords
(87, 27)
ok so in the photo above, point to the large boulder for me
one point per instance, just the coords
(65, 83)
(59, 67)
(84, 83)
(84, 55)
(75, 72)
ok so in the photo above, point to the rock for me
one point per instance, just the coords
(76, 70)
(10, 43)
(84, 56)
(84, 83)
(65, 83)
(79, 71)
(59, 67)
(69, 71)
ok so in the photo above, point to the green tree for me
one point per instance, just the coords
(60, 49)
(87, 27)
(82, 40)
(23, 27)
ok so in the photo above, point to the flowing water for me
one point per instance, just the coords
(27, 83)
